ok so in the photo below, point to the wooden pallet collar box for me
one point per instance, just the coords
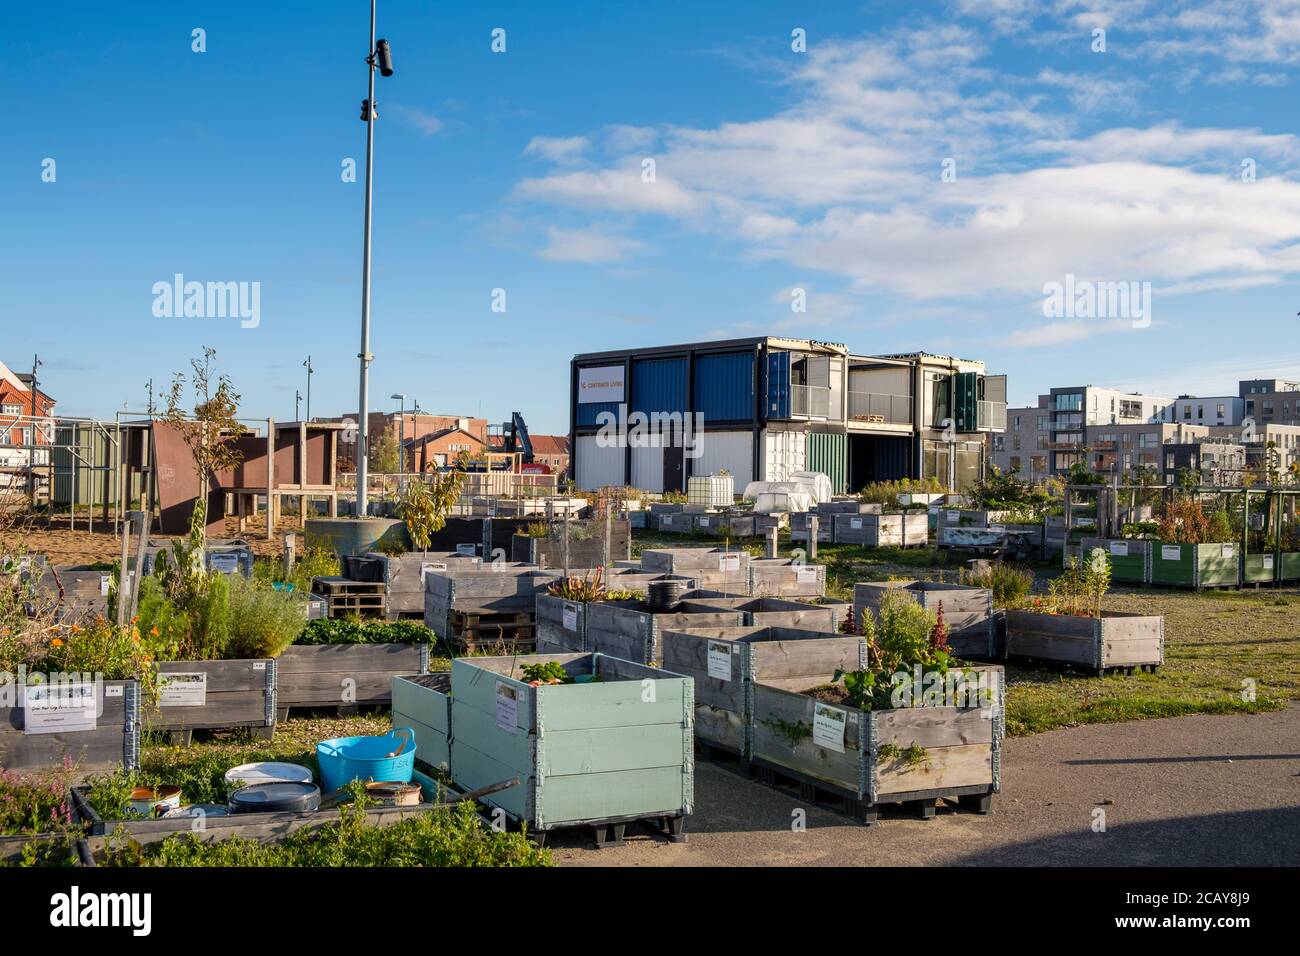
(495, 589)
(1196, 565)
(1130, 558)
(1113, 640)
(213, 695)
(95, 724)
(619, 748)
(403, 575)
(325, 675)
(967, 611)
(630, 631)
(854, 753)
(772, 612)
(901, 530)
(784, 577)
(725, 662)
(423, 703)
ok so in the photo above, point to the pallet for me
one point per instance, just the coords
(923, 803)
(472, 631)
(347, 598)
(611, 831)
(724, 756)
(1126, 670)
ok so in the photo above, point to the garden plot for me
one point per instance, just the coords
(610, 744)
(214, 695)
(967, 611)
(1113, 641)
(96, 725)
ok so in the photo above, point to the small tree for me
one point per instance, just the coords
(384, 454)
(206, 430)
(426, 503)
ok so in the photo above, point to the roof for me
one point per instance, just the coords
(443, 433)
(550, 444)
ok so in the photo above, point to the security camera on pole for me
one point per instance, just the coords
(381, 57)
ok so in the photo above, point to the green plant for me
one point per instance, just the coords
(793, 732)
(262, 622)
(365, 631)
(102, 648)
(582, 589)
(1140, 529)
(314, 562)
(1009, 583)
(1080, 588)
(536, 529)
(385, 456)
(549, 672)
(427, 501)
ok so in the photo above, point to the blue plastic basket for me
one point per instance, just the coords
(345, 759)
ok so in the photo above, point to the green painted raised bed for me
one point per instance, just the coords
(1195, 565)
(725, 662)
(1258, 569)
(423, 703)
(1130, 558)
(1291, 565)
(617, 749)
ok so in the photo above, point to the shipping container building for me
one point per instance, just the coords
(762, 408)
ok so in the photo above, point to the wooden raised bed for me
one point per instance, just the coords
(848, 506)
(112, 742)
(343, 675)
(678, 522)
(485, 606)
(905, 530)
(12, 847)
(423, 703)
(630, 631)
(598, 754)
(1290, 566)
(967, 611)
(799, 526)
(1196, 565)
(1130, 558)
(962, 760)
(773, 612)
(783, 577)
(725, 662)
(712, 568)
(403, 576)
(216, 695)
(1259, 568)
(262, 827)
(1114, 641)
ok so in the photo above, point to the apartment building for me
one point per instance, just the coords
(767, 406)
(1270, 400)
(22, 431)
(1209, 410)
(1257, 438)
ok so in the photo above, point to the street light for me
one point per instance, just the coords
(380, 55)
(307, 366)
(297, 399)
(401, 441)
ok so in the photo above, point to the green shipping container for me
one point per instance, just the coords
(828, 454)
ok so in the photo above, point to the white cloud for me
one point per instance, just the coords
(422, 121)
(557, 149)
(588, 245)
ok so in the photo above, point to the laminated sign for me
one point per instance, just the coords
(1119, 549)
(1229, 550)
(570, 617)
(719, 660)
(188, 689)
(1268, 562)
(729, 562)
(953, 517)
(704, 522)
(431, 567)
(828, 727)
(806, 576)
(227, 562)
(103, 585)
(507, 707)
(466, 550)
(59, 708)
(855, 523)
(1171, 552)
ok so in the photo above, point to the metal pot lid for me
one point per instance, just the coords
(268, 771)
(200, 810)
(278, 796)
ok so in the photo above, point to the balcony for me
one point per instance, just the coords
(810, 401)
(876, 408)
(991, 416)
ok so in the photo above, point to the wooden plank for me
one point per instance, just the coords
(481, 731)
(945, 767)
(933, 726)
(775, 708)
(812, 657)
(604, 750)
(582, 798)
(471, 769)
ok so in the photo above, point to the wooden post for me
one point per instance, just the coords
(813, 529)
(487, 540)
(290, 546)
(609, 532)
(566, 541)
(141, 545)
(773, 535)
(123, 570)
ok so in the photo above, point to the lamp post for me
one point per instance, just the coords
(307, 366)
(297, 400)
(378, 55)
(401, 437)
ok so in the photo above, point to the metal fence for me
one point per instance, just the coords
(880, 407)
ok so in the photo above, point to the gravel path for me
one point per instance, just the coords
(1198, 791)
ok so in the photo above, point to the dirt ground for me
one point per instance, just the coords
(1190, 791)
(68, 546)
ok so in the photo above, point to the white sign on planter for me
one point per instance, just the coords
(953, 517)
(729, 562)
(431, 567)
(507, 707)
(719, 660)
(1119, 549)
(855, 524)
(59, 708)
(1229, 550)
(187, 689)
(601, 384)
(1171, 552)
(828, 727)
(570, 617)
(1268, 562)
(467, 550)
(225, 562)
(806, 576)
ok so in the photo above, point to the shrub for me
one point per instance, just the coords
(312, 563)
(1009, 583)
(262, 622)
(101, 647)
(1185, 521)
(349, 631)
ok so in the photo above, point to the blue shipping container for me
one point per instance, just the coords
(778, 385)
(659, 385)
(724, 387)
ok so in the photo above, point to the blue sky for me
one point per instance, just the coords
(774, 170)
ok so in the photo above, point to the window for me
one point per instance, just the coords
(1016, 419)
(1042, 423)
(1042, 442)
(1069, 402)
(1015, 463)
(11, 410)
(1221, 409)
(999, 442)
(1200, 412)
(1149, 439)
(1015, 442)
(1169, 460)
(27, 436)
(1130, 409)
